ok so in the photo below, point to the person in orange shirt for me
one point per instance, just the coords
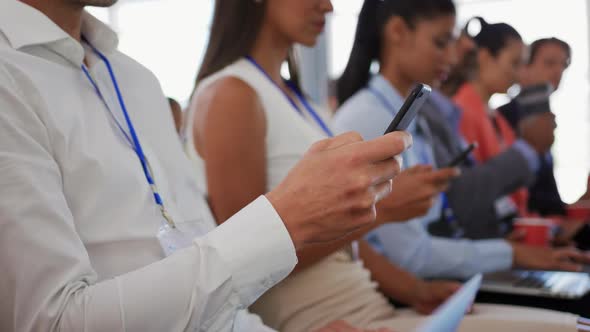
(499, 58)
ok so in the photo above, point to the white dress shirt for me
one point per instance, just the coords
(78, 223)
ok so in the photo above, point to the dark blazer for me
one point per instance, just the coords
(544, 197)
(472, 195)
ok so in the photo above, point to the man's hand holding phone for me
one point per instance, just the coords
(333, 190)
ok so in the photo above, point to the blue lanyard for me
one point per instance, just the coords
(449, 217)
(382, 99)
(132, 136)
(299, 95)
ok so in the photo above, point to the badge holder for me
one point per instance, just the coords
(177, 236)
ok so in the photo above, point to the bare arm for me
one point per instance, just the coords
(230, 130)
(401, 285)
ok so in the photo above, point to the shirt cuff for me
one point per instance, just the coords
(497, 255)
(257, 248)
(528, 153)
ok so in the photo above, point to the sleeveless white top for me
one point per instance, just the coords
(336, 287)
(288, 134)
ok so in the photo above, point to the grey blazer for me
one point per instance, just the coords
(472, 195)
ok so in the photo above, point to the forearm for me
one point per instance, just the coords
(313, 254)
(461, 259)
(164, 296)
(203, 285)
(411, 247)
(491, 180)
(392, 280)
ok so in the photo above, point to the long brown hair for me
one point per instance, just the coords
(236, 25)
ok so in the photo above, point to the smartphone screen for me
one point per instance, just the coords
(410, 108)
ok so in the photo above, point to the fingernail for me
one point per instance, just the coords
(382, 195)
(457, 171)
(400, 161)
(408, 141)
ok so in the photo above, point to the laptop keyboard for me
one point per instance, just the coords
(560, 284)
(556, 282)
(533, 280)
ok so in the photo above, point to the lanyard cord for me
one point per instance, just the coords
(310, 110)
(132, 137)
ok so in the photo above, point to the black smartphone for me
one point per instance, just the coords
(458, 160)
(410, 108)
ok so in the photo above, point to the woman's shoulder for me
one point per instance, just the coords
(223, 96)
(230, 75)
(232, 83)
(348, 112)
(227, 89)
(355, 107)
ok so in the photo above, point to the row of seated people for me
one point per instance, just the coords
(105, 226)
(469, 210)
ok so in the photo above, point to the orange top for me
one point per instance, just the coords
(492, 132)
(477, 125)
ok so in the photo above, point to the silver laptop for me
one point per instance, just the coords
(449, 315)
(554, 284)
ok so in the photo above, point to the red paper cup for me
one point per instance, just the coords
(537, 232)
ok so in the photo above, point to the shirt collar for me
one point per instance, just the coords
(25, 26)
(387, 91)
(392, 99)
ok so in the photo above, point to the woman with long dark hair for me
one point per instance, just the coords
(247, 127)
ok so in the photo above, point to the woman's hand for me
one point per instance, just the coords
(429, 295)
(546, 258)
(414, 192)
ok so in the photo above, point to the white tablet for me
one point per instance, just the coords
(449, 315)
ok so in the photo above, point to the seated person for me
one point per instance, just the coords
(548, 59)
(499, 55)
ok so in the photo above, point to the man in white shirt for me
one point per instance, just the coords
(79, 249)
